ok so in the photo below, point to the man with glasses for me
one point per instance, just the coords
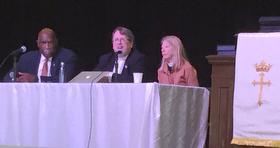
(124, 56)
(44, 65)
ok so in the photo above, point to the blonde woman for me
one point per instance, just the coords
(175, 67)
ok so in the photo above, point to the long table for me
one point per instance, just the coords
(103, 115)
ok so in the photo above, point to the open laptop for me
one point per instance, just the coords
(91, 77)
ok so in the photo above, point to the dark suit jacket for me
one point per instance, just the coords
(29, 63)
(133, 63)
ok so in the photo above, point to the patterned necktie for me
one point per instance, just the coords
(45, 68)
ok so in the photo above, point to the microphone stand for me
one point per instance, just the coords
(15, 68)
(14, 54)
(116, 68)
(117, 64)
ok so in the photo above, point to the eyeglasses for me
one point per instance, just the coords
(121, 39)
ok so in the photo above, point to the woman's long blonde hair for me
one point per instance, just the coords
(179, 56)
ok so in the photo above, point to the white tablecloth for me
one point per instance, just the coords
(103, 115)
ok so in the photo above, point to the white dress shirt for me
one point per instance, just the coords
(121, 62)
(41, 64)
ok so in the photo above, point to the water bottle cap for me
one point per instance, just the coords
(62, 63)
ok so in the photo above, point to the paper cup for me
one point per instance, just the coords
(109, 75)
(137, 77)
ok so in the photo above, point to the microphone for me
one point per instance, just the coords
(20, 50)
(118, 52)
(14, 53)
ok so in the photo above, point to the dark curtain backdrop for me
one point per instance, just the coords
(86, 26)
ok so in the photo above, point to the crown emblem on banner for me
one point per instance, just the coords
(262, 67)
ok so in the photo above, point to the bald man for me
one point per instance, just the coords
(43, 65)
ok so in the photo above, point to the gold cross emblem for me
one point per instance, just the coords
(261, 68)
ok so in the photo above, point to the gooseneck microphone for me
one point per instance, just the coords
(15, 52)
(117, 64)
(20, 50)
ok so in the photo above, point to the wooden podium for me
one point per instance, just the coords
(221, 102)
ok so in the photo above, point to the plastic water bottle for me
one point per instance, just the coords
(61, 73)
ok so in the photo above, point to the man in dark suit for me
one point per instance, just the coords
(128, 59)
(44, 65)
